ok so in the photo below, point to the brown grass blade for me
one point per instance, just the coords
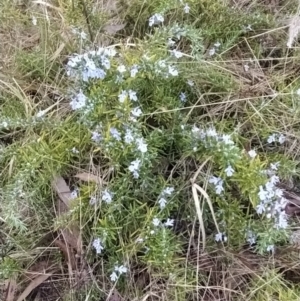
(33, 284)
(207, 198)
(294, 30)
(10, 289)
(199, 214)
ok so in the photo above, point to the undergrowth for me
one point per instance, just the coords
(170, 149)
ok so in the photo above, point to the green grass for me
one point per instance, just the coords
(165, 238)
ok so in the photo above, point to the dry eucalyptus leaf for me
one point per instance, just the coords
(33, 284)
(72, 234)
(63, 190)
(88, 177)
(113, 28)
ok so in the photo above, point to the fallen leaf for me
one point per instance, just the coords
(33, 284)
(63, 190)
(71, 234)
(88, 177)
(10, 289)
(114, 296)
(113, 28)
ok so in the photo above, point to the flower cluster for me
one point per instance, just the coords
(157, 222)
(90, 65)
(117, 272)
(164, 195)
(272, 203)
(276, 138)
(211, 139)
(218, 184)
(165, 69)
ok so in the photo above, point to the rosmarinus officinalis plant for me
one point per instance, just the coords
(118, 90)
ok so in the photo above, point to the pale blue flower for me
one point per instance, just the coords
(105, 62)
(96, 137)
(211, 132)
(168, 190)
(229, 171)
(74, 194)
(281, 139)
(132, 95)
(78, 101)
(170, 42)
(176, 53)
(169, 223)
(272, 138)
(274, 166)
(134, 70)
(111, 52)
(141, 145)
(34, 20)
(182, 96)
(90, 64)
(134, 167)
(218, 237)
(219, 188)
(252, 153)
(128, 138)
(212, 51)
(186, 8)
(251, 238)
(162, 203)
(121, 269)
(107, 196)
(122, 96)
(156, 19)
(40, 113)
(121, 68)
(227, 139)
(136, 112)
(74, 150)
(260, 208)
(218, 183)
(190, 83)
(115, 133)
(172, 71)
(97, 244)
(113, 276)
(156, 222)
(93, 200)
